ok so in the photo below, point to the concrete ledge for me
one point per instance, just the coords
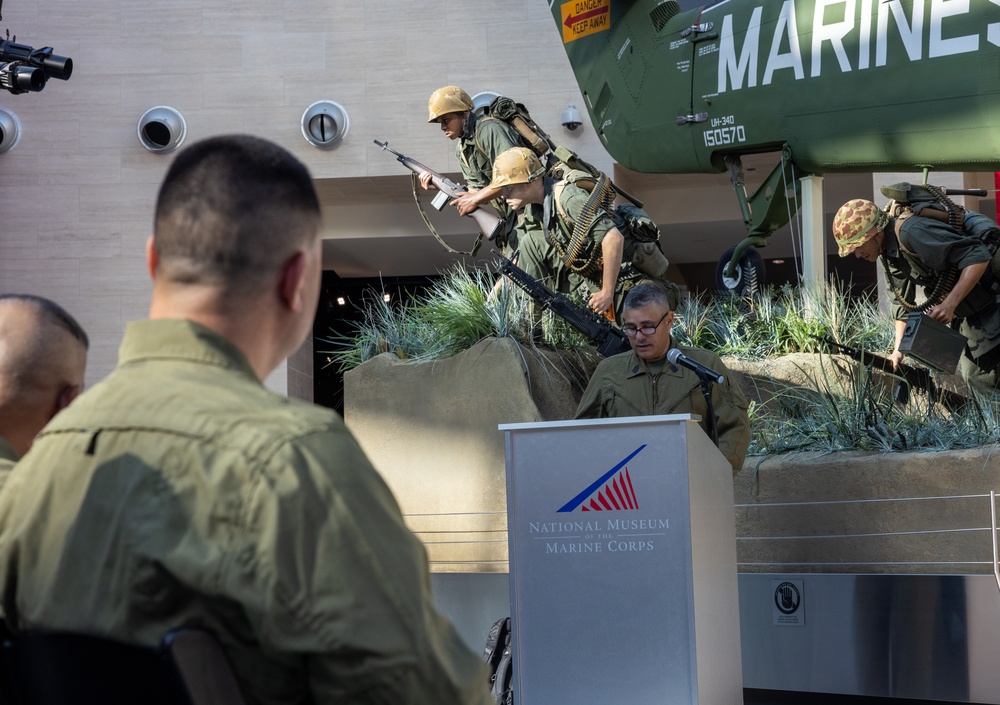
(854, 512)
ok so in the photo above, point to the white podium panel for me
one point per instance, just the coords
(622, 563)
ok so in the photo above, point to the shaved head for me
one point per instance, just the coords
(43, 358)
(230, 210)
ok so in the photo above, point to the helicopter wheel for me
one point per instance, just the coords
(749, 275)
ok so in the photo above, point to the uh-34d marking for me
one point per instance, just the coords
(834, 85)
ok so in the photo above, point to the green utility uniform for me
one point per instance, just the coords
(545, 258)
(8, 458)
(929, 248)
(626, 385)
(484, 140)
(180, 491)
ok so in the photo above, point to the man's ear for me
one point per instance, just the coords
(292, 281)
(66, 395)
(152, 258)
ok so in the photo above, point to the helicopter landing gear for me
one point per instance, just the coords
(748, 277)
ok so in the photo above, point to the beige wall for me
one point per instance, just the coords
(76, 193)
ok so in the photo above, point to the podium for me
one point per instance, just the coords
(622, 563)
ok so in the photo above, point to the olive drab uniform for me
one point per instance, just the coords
(180, 491)
(574, 223)
(626, 385)
(926, 252)
(484, 140)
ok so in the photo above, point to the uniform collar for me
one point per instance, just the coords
(547, 202)
(637, 366)
(7, 451)
(469, 133)
(180, 339)
(891, 243)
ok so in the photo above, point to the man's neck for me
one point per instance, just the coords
(250, 328)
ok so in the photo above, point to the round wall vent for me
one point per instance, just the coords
(481, 101)
(325, 124)
(162, 129)
(10, 130)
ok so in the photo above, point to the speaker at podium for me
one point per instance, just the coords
(622, 549)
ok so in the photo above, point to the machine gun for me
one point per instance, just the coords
(918, 378)
(489, 225)
(608, 339)
(24, 69)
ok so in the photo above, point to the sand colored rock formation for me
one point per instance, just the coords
(431, 430)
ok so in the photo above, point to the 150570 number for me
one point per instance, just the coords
(725, 135)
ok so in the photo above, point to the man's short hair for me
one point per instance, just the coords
(232, 208)
(54, 312)
(645, 294)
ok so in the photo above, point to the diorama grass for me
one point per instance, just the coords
(829, 412)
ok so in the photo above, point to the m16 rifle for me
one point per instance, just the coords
(918, 378)
(490, 225)
(608, 339)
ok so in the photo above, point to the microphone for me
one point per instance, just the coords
(676, 357)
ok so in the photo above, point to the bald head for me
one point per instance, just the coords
(43, 358)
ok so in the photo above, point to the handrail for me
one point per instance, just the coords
(993, 521)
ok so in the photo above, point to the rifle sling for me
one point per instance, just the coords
(434, 232)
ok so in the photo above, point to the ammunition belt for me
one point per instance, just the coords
(956, 214)
(602, 196)
(944, 283)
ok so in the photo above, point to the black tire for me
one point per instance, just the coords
(749, 277)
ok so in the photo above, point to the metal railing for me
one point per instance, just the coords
(955, 511)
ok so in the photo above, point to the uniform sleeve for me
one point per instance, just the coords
(733, 422)
(348, 584)
(492, 138)
(939, 246)
(495, 137)
(591, 406)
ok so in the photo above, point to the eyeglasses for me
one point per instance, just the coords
(630, 331)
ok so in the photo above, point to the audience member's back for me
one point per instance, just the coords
(180, 491)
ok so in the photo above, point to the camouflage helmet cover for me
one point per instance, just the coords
(853, 223)
(518, 165)
(450, 99)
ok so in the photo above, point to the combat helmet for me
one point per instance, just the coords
(450, 99)
(518, 165)
(854, 221)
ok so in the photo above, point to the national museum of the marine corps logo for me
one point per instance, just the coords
(616, 494)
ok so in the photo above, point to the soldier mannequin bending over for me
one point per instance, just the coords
(582, 243)
(953, 265)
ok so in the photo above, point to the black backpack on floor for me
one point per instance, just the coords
(498, 657)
